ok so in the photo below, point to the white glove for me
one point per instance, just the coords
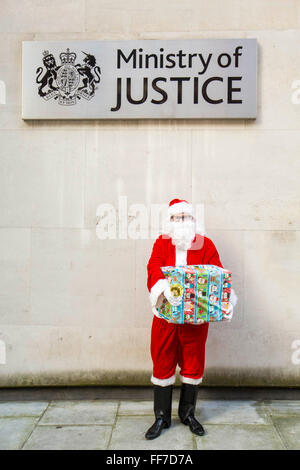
(175, 301)
(229, 313)
(233, 298)
(232, 303)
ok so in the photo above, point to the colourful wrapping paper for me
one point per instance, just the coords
(205, 291)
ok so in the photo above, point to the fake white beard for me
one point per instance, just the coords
(182, 234)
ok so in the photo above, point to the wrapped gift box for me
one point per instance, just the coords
(205, 291)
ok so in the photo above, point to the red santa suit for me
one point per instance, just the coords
(173, 344)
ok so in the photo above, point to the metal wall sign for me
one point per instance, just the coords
(199, 78)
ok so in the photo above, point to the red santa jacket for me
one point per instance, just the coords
(202, 251)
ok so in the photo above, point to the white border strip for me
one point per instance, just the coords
(188, 380)
(163, 382)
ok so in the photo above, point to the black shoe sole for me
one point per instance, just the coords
(197, 434)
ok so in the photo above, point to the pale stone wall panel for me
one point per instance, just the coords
(74, 309)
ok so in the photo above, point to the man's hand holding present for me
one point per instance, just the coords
(174, 301)
(232, 303)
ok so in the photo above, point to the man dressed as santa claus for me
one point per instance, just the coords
(182, 344)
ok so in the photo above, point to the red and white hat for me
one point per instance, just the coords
(180, 205)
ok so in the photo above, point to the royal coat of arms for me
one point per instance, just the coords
(69, 81)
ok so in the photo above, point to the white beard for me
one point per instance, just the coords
(182, 234)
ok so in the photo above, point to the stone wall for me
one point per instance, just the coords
(73, 308)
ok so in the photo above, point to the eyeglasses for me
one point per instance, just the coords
(182, 218)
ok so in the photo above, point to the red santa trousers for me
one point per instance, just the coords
(173, 344)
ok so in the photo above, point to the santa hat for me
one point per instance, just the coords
(180, 205)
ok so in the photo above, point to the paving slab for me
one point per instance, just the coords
(88, 424)
(80, 412)
(209, 403)
(14, 431)
(69, 438)
(27, 408)
(283, 407)
(231, 412)
(289, 429)
(142, 408)
(209, 411)
(239, 437)
(129, 434)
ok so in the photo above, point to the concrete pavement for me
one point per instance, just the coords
(121, 424)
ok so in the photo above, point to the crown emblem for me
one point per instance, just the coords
(67, 57)
(47, 54)
(70, 81)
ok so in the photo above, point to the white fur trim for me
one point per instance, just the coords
(156, 290)
(155, 312)
(188, 380)
(180, 207)
(181, 257)
(228, 315)
(233, 298)
(163, 382)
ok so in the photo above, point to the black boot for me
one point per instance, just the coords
(162, 410)
(186, 409)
